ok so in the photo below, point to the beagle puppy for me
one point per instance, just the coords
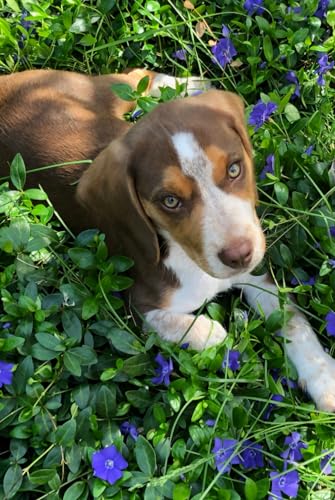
(175, 192)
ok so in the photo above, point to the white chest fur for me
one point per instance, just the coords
(196, 286)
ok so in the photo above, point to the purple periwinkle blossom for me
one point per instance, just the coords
(24, 23)
(185, 345)
(6, 325)
(253, 7)
(292, 453)
(180, 54)
(285, 381)
(225, 455)
(127, 428)
(269, 167)
(294, 10)
(225, 31)
(291, 77)
(261, 112)
(287, 483)
(251, 455)
(332, 231)
(163, 371)
(310, 281)
(325, 465)
(6, 374)
(232, 360)
(210, 422)
(134, 117)
(330, 323)
(308, 151)
(223, 51)
(272, 406)
(331, 262)
(108, 464)
(321, 10)
(324, 67)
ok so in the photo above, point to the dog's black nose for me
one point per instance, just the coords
(238, 254)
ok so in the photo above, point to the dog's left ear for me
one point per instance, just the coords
(107, 190)
(232, 106)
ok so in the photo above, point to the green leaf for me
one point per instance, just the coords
(106, 401)
(140, 398)
(12, 481)
(65, 434)
(42, 476)
(85, 354)
(124, 341)
(121, 263)
(82, 257)
(142, 85)
(90, 308)
(81, 395)
(72, 363)
(145, 456)
(282, 192)
(291, 112)
(106, 5)
(181, 491)
(275, 321)
(11, 343)
(18, 172)
(250, 489)
(268, 49)
(24, 371)
(137, 365)
(35, 194)
(123, 91)
(41, 353)
(75, 491)
(49, 341)
(72, 325)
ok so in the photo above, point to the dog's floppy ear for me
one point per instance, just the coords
(107, 190)
(232, 105)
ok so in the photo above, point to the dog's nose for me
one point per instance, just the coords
(238, 254)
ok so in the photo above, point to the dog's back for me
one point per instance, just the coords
(54, 117)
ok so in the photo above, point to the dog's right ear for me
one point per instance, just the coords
(107, 190)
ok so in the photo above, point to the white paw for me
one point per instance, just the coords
(205, 333)
(319, 382)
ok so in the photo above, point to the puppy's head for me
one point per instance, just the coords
(184, 171)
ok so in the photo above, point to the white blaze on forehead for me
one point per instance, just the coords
(193, 160)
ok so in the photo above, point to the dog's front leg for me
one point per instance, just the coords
(316, 369)
(200, 332)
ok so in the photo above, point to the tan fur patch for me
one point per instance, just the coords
(176, 182)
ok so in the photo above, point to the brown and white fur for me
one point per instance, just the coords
(188, 151)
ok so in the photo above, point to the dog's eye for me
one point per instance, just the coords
(171, 202)
(234, 170)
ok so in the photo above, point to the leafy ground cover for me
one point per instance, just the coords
(90, 406)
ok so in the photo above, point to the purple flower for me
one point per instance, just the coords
(163, 371)
(321, 10)
(295, 10)
(324, 66)
(331, 262)
(223, 51)
(310, 281)
(134, 116)
(251, 455)
(272, 406)
(308, 151)
(180, 54)
(108, 464)
(261, 112)
(287, 483)
(231, 360)
(253, 7)
(210, 422)
(225, 31)
(127, 428)
(330, 323)
(293, 453)
(291, 77)
(185, 345)
(285, 381)
(263, 64)
(25, 24)
(325, 464)
(6, 373)
(6, 325)
(224, 454)
(332, 231)
(269, 167)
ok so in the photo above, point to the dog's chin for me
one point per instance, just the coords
(223, 272)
